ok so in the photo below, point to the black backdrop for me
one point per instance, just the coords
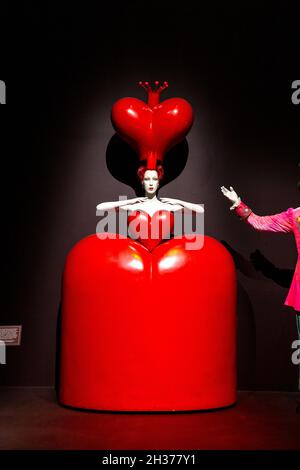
(64, 67)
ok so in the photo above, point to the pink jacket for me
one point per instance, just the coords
(287, 221)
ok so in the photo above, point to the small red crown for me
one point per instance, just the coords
(153, 92)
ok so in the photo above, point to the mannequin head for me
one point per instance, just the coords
(150, 179)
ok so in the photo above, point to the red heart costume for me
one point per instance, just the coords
(152, 128)
(148, 326)
(157, 227)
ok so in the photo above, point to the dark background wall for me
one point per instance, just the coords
(64, 67)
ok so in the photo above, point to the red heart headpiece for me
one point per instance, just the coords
(152, 128)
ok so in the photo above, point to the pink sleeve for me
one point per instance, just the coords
(282, 222)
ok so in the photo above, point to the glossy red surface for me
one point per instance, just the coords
(150, 230)
(148, 331)
(152, 130)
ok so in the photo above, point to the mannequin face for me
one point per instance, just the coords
(150, 181)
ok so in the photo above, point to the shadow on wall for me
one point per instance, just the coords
(256, 267)
(124, 168)
(58, 350)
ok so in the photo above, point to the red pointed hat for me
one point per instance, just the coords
(152, 128)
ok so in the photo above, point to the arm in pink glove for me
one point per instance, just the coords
(282, 222)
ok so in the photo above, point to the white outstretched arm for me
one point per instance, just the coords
(189, 205)
(104, 206)
(232, 196)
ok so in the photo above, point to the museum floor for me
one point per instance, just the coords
(31, 419)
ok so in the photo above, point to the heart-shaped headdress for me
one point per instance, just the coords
(152, 128)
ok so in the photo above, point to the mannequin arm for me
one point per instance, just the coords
(187, 205)
(281, 222)
(104, 206)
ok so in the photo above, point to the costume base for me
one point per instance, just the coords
(148, 331)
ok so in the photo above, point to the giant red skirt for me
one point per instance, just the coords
(148, 331)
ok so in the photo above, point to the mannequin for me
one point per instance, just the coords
(287, 221)
(151, 129)
(118, 352)
(150, 203)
